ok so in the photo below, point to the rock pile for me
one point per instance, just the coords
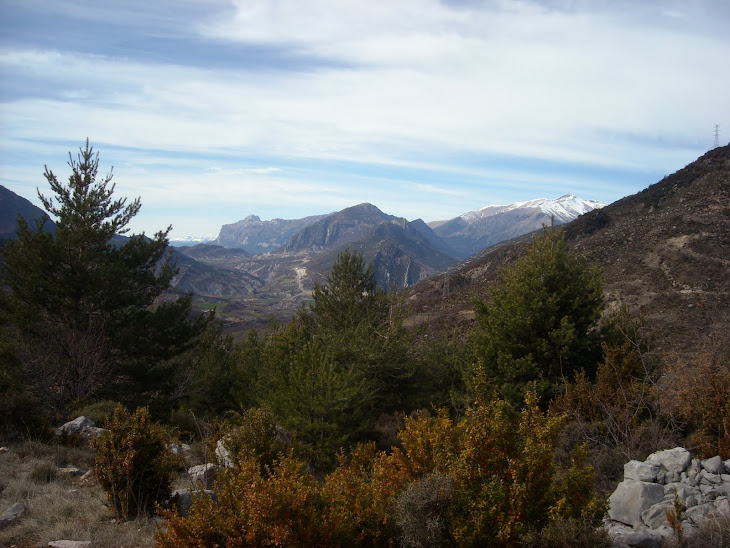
(639, 508)
(83, 427)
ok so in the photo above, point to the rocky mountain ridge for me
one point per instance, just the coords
(473, 231)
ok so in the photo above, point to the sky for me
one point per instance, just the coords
(213, 110)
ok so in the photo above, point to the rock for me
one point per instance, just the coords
(224, 456)
(631, 498)
(694, 468)
(176, 449)
(674, 461)
(72, 471)
(84, 427)
(75, 426)
(641, 539)
(69, 544)
(12, 514)
(204, 474)
(714, 465)
(182, 499)
(656, 516)
(700, 513)
(640, 471)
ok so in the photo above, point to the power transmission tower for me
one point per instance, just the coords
(717, 135)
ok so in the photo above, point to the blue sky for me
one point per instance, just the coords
(214, 110)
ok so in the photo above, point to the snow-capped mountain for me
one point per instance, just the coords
(474, 230)
(564, 209)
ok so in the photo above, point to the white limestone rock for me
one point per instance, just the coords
(715, 465)
(673, 461)
(631, 498)
(640, 471)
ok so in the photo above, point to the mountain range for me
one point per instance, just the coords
(255, 269)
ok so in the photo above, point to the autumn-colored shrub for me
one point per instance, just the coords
(284, 507)
(697, 390)
(133, 463)
(362, 491)
(485, 480)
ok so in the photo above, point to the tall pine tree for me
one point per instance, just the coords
(83, 304)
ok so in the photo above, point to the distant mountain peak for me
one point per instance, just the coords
(564, 209)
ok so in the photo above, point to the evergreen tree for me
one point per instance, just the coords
(540, 326)
(83, 303)
(350, 298)
(361, 325)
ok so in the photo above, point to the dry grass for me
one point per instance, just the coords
(58, 506)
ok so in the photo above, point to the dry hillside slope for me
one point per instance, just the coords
(665, 253)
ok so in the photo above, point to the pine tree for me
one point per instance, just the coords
(540, 325)
(82, 302)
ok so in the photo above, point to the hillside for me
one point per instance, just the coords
(12, 206)
(665, 253)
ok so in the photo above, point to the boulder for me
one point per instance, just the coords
(11, 515)
(223, 455)
(69, 544)
(84, 427)
(656, 516)
(672, 461)
(631, 498)
(640, 539)
(203, 474)
(700, 513)
(715, 465)
(640, 471)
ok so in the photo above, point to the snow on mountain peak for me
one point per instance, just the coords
(564, 209)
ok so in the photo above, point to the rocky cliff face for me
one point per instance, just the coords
(257, 236)
(337, 229)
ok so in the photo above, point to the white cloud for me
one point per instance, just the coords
(415, 84)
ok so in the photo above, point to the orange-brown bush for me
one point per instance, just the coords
(133, 463)
(697, 389)
(283, 507)
(497, 464)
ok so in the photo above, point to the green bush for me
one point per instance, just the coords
(133, 463)
(253, 434)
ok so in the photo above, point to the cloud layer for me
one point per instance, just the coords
(211, 111)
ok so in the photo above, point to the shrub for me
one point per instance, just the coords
(284, 507)
(254, 434)
(43, 472)
(567, 534)
(424, 511)
(133, 463)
